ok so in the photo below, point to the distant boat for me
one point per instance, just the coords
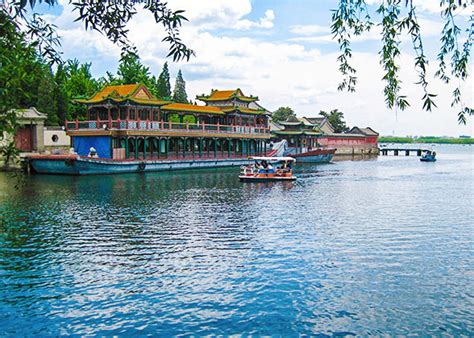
(428, 156)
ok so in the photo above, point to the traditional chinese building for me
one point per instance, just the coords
(307, 133)
(301, 135)
(128, 122)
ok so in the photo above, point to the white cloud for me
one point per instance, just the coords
(432, 6)
(280, 72)
(215, 14)
(309, 29)
(265, 22)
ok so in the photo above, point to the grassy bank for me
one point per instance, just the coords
(439, 140)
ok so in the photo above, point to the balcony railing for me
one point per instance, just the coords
(164, 126)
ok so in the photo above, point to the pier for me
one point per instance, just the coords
(399, 151)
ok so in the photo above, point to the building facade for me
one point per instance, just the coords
(305, 134)
(128, 122)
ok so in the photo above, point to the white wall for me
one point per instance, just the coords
(62, 139)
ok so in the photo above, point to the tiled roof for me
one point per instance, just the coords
(120, 93)
(222, 95)
(185, 107)
(315, 120)
(31, 114)
(243, 110)
(151, 102)
(365, 131)
(296, 132)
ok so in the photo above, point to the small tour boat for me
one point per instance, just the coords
(268, 169)
(428, 156)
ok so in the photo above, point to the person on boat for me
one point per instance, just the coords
(270, 168)
(93, 153)
(256, 167)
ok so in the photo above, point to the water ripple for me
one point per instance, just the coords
(353, 248)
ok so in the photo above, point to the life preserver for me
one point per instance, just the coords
(141, 166)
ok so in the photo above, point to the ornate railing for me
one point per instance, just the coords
(164, 126)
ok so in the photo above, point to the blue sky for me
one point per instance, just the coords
(281, 51)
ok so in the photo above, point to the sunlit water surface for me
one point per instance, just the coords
(358, 247)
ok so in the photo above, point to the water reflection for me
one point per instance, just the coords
(353, 247)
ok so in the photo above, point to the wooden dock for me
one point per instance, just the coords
(398, 151)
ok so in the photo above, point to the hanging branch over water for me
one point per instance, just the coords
(107, 17)
(352, 18)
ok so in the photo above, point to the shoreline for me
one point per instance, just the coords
(425, 140)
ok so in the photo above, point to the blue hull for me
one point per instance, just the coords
(318, 155)
(315, 159)
(82, 166)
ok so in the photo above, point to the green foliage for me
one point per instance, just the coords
(397, 17)
(26, 78)
(187, 118)
(19, 70)
(75, 81)
(107, 17)
(131, 70)
(336, 119)
(282, 114)
(163, 87)
(46, 102)
(179, 92)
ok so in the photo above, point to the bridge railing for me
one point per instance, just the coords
(164, 126)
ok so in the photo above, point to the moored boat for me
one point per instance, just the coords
(268, 169)
(81, 165)
(428, 156)
(303, 154)
(318, 155)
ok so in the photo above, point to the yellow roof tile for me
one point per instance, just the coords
(185, 107)
(120, 90)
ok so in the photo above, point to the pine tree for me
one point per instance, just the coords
(179, 93)
(131, 70)
(60, 95)
(163, 83)
(46, 102)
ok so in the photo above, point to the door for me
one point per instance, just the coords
(24, 139)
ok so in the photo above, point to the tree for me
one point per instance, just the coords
(336, 119)
(60, 94)
(179, 92)
(46, 99)
(396, 18)
(163, 86)
(282, 114)
(131, 70)
(76, 82)
(18, 53)
(18, 64)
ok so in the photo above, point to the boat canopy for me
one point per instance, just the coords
(273, 159)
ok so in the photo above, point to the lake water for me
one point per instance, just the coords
(357, 247)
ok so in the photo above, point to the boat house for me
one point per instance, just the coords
(306, 133)
(301, 134)
(128, 122)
